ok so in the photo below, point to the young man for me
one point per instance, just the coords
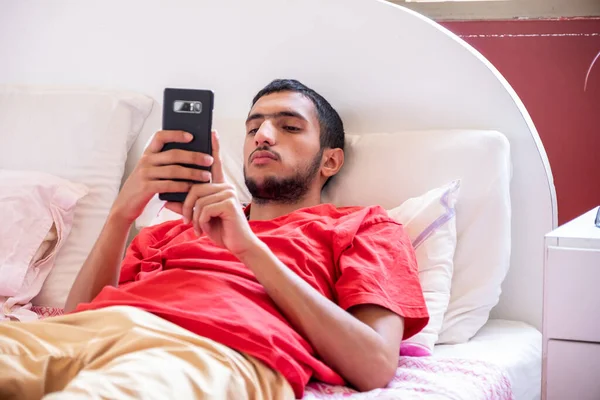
(231, 302)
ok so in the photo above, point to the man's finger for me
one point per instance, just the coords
(178, 156)
(197, 191)
(214, 210)
(207, 200)
(175, 172)
(217, 168)
(163, 137)
(195, 215)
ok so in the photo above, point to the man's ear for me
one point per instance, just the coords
(332, 162)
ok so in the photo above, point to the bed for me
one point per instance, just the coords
(408, 90)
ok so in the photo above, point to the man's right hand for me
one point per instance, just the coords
(156, 172)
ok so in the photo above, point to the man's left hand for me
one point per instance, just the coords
(214, 209)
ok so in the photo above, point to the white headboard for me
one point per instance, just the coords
(383, 67)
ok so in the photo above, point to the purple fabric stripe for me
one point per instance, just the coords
(441, 220)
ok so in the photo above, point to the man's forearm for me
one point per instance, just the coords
(103, 264)
(352, 348)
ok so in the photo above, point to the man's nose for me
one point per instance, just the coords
(266, 134)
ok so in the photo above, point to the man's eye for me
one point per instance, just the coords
(291, 128)
(252, 131)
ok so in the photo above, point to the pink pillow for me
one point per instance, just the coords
(36, 210)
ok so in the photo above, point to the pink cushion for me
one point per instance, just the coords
(36, 210)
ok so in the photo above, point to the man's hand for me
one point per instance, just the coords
(214, 209)
(158, 172)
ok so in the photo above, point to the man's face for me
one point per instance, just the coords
(282, 151)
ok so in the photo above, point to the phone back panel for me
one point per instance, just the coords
(198, 122)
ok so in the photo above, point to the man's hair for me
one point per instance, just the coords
(332, 127)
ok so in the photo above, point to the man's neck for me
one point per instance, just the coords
(260, 211)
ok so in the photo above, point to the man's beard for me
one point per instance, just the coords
(284, 190)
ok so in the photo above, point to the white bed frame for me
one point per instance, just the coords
(385, 68)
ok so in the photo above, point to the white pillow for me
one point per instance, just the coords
(430, 222)
(37, 211)
(388, 169)
(78, 134)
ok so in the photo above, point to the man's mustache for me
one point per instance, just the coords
(264, 148)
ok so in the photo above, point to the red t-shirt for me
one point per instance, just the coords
(350, 255)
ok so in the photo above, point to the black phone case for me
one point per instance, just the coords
(199, 125)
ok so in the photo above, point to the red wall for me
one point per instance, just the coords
(546, 62)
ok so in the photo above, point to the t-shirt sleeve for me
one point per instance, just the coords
(143, 256)
(135, 255)
(379, 267)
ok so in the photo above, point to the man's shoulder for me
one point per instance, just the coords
(359, 214)
(347, 223)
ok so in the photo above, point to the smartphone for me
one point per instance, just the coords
(188, 110)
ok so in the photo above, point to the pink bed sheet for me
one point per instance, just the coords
(46, 312)
(429, 378)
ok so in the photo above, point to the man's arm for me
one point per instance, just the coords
(103, 264)
(362, 345)
(156, 172)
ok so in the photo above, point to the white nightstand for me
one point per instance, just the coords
(571, 329)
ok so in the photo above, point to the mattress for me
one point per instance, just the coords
(513, 346)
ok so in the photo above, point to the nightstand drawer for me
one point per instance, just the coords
(572, 371)
(572, 294)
